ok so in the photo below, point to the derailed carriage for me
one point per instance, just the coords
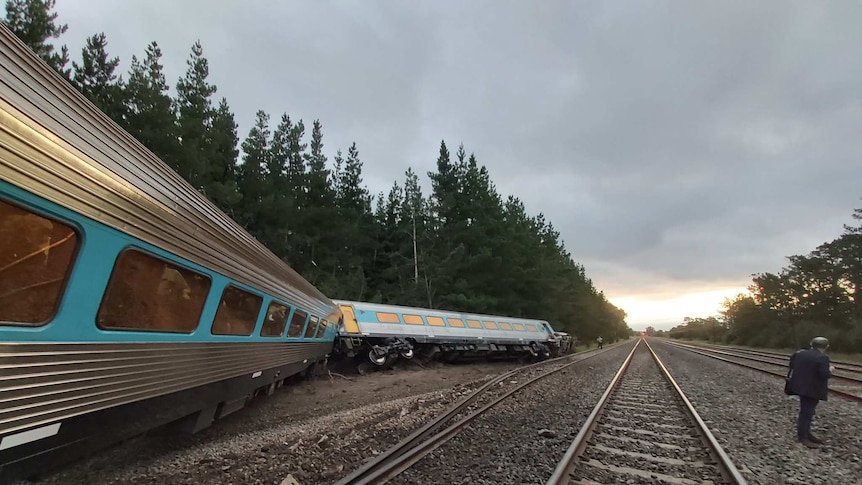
(127, 299)
(381, 334)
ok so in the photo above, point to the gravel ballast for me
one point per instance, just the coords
(755, 422)
(522, 439)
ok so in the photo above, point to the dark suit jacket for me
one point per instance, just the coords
(810, 374)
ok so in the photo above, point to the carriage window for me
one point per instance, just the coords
(36, 257)
(296, 324)
(413, 320)
(474, 324)
(321, 329)
(505, 326)
(531, 328)
(237, 312)
(387, 318)
(275, 321)
(312, 326)
(519, 327)
(435, 321)
(150, 294)
(490, 325)
(455, 322)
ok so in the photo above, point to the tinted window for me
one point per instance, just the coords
(296, 324)
(275, 321)
(147, 293)
(321, 329)
(312, 327)
(35, 261)
(237, 312)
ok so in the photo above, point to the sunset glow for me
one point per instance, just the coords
(644, 311)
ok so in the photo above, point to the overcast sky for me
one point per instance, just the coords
(677, 146)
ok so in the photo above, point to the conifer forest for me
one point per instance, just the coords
(464, 246)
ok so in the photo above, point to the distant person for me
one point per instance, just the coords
(810, 371)
(599, 340)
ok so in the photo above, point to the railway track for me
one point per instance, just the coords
(644, 430)
(448, 424)
(845, 382)
(839, 364)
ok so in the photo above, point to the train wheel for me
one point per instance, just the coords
(364, 368)
(407, 354)
(390, 361)
(376, 358)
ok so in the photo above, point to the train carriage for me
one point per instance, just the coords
(127, 299)
(384, 333)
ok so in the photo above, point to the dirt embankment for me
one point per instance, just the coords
(314, 431)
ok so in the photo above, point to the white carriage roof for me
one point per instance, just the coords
(379, 307)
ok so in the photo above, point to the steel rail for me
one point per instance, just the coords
(782, 375)
(419, 443)
(839, 364)
(762, 360)
(559, 477)
(569, 460)
(728, 469)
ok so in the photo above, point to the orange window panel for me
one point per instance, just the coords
(532, 328)
(435, 321)
(455, 322)
(413, 320)
(387, 318)
(474, 324)
(519, 327)
(505, 326)
(490, 325)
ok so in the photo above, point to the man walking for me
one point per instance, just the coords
(809, 375)
(599, 340)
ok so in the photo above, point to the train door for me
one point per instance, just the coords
(351, 326)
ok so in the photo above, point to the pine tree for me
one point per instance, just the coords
(34, 22)
(95, 78)
(285, 178)
(252, 183)
(319, 190)
(444, 184)
(149, 113)
(355, 237)
(221, 182)
(195, 119)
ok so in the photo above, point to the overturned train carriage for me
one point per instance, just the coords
(381, 334)
(127, 300)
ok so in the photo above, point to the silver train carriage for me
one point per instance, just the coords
(383, 333)
(127, 299)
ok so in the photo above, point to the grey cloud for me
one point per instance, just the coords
(677, 146)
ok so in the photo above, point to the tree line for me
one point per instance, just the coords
(817, 294)
(463, 247)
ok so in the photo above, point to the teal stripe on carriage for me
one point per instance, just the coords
(98, 249)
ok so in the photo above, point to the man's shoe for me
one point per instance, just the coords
(809, 444)
(814, 439)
